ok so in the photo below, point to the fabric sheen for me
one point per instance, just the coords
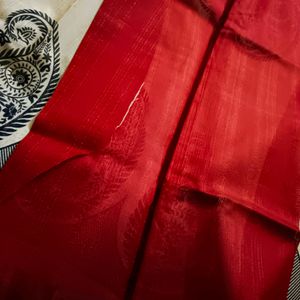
(95, 205)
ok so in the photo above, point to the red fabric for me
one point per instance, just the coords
(76, 192)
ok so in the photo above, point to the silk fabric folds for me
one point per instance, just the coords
(166, 165)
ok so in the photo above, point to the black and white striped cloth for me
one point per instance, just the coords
(5, 153)
(294, 289)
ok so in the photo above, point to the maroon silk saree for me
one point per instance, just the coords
(166, 164)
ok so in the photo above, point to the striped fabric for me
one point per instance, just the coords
(294, 289)
(5, 153)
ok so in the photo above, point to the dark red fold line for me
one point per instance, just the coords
(132, 281)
